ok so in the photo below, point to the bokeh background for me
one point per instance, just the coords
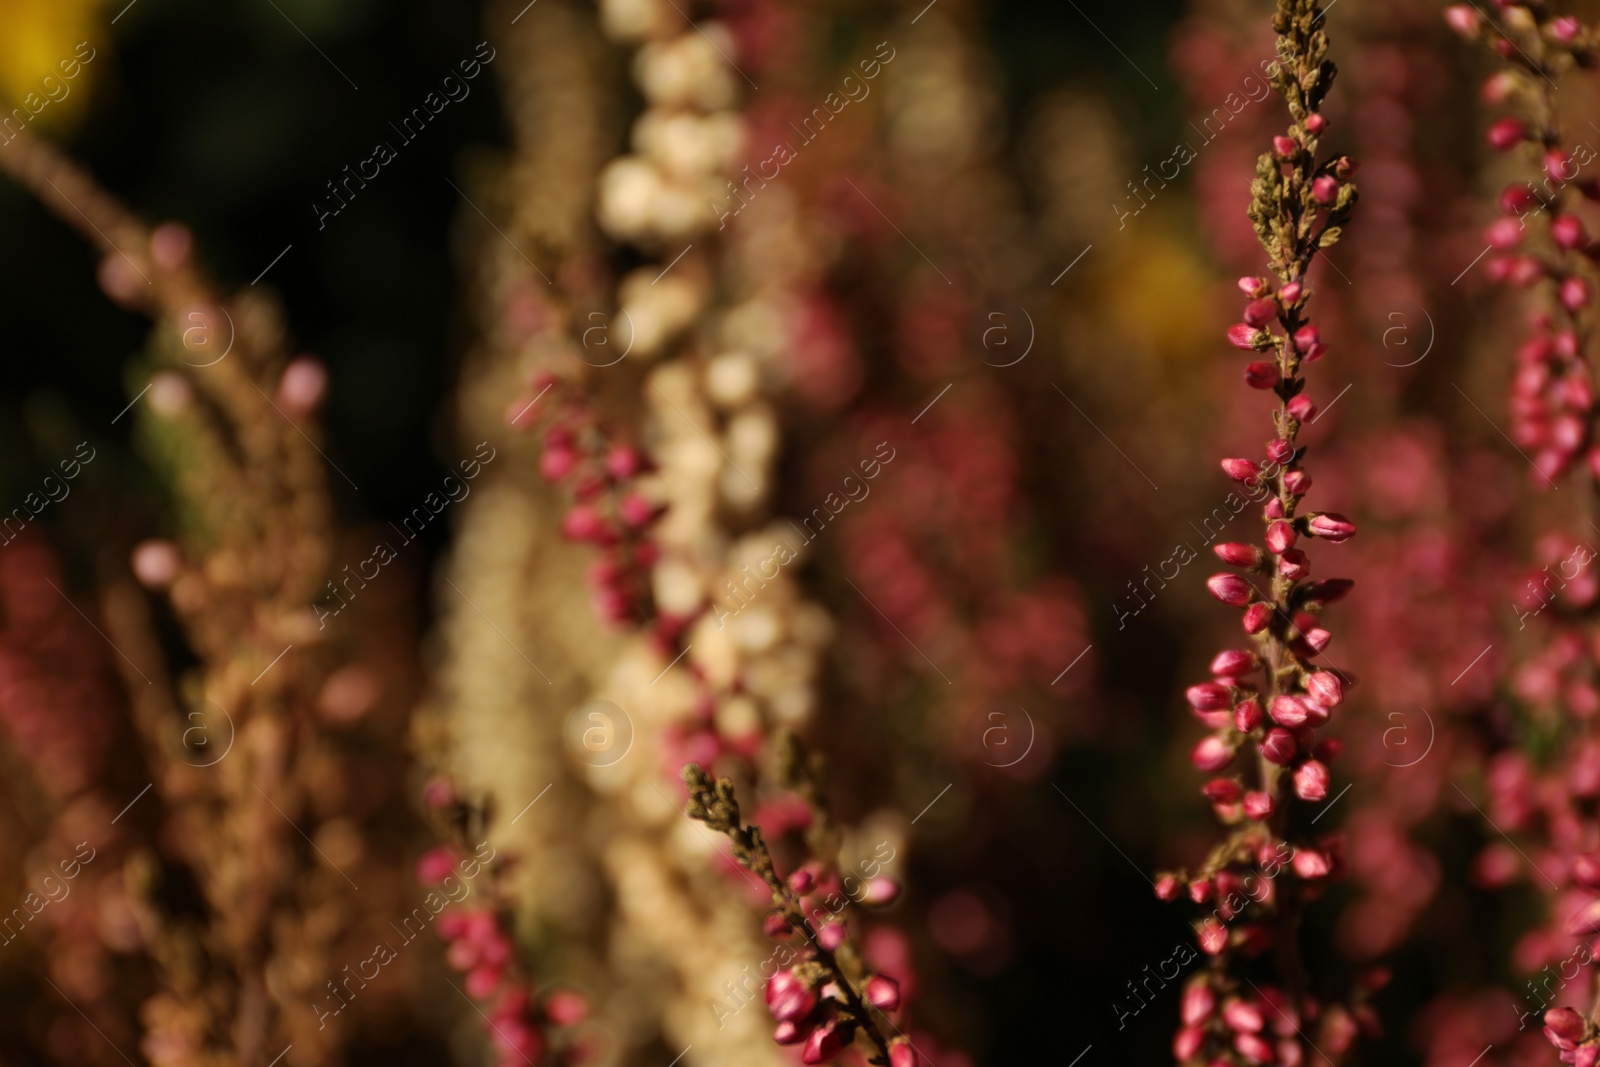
(980, 599)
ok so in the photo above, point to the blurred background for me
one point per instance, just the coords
(986, 262)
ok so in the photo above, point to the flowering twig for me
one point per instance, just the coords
(1275, 695)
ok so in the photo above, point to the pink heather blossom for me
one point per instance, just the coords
(1209, 696)
(1331, 527)
(1506, 133)
(1213, 937)
(1586, 871)
(1197, 1005)
(1240, 470)
(1239, 555)
(1297, 482)
(1325, 688)
(901, 1054)
(788, 998)
(1288, 710)
(1565, 1023)
(1252, 1048)
(1564, 29)
(1504, 234)
(823, 1044)
(1186, 1043)
(881, 892)
(789, 1033)
(1245, 336)
(1251, 285)
(1168, 888)
(1463, 18)
(1221, 790)
(1247, 715)
(1262, 374)
(1258, 805)
(1316, 122)
(1586, 921)
(1232, 662)
(1211, 754)
(883, 992)
(1262, 312)
(1311, 781)
(832, 935)
(1310, 864)
(1280, 536)
(1302, 407)
(1325, 189)
(1243, 1016)
(1566, 230)
(435, 865)
(1294, 564)
(1256, 618)
(1230, 589)
(1574, 293)
(1284, 146)
(1279, 746)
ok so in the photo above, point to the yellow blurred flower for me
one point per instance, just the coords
(41, 39)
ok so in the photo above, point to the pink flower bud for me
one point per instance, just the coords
(1566, 1023)
(883, 993)
(1280, 536)
(881, 892)
(1311, 780)
(1294, 565)
(1574, 293)
(635, 510)
(1274, 509)
(1243, 1016)
(1503, 234)
(1247, 715)
(481, 982)
(1586, 922)
(1168, 888)
(1586, 871)
(1251, 285)
(1306, 336)
(788, 999)
(1463, 18)
(1325, 190)
(1558, 166)
(1279, 746)
(1239, 555)
(775, 925)
(1197, 1005)
(823, 1044)
(1258, 806)
(1302, 407)
(1221, 790)
(801, 881)
(1240, 470)
(1284, 146)
(831, 935)
(1245, 336)
(1279, 450)
(302, 387)
(1315, 122)
(1256, 618)
(1325, 688)
(1566, 230)
(1564, 29)
(1506, 133)
(901, 1054)
(566, 1008)
(583, 523)
(1253, 1048)
(435, 865)
(622, 462)
(556, 463)
(1517, 199)
(1213, 937)
(1230, 589)
(1212, 754)
(1259, 313)
(1186, 1043)
(1262, 374)
(1209, 696)
(788, 1033)
(1288, 711)
(1315, 639)
(1232, 662)
(1331, 526)
(1310, 864)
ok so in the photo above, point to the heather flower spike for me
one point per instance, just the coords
(1264, 752)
